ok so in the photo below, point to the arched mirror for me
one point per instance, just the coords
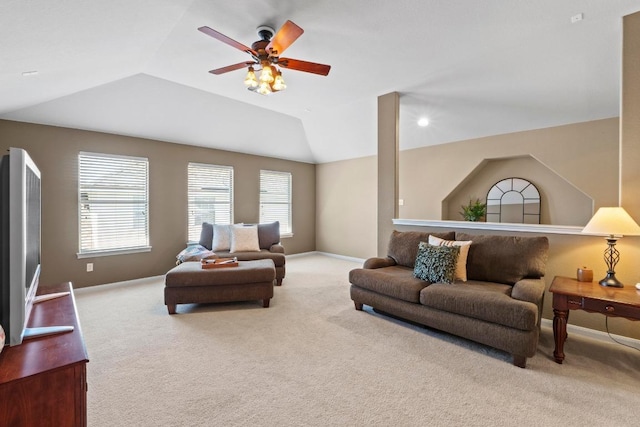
(514, 200)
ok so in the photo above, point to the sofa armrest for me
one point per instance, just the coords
(531, 290)
(277, 248)
(376, 262)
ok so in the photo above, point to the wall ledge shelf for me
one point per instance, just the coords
(493, 226)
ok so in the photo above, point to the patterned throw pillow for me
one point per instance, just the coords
(461, 266)
(436, 264)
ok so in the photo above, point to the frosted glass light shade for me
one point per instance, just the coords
(613, 221)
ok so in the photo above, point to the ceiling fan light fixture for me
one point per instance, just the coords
(266, 75)
(250, 80)
(278, 82)
(264, 89)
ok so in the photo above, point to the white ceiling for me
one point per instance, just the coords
(475, 68)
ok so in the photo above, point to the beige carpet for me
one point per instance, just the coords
(311, 359)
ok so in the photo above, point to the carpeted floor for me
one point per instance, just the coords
(311, 359)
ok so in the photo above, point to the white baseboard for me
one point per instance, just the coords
(593, 334)
(329, 254)
(342, 257)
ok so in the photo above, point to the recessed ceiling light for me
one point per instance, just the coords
(29, 73)
(423, 122)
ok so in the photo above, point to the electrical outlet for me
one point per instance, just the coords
(89, 267)
(577, 18)
(401, 202)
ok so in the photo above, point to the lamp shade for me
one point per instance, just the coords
(614, 221)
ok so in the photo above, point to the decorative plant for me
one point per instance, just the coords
(474, 211)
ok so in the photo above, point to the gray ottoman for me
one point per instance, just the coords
(189, 283)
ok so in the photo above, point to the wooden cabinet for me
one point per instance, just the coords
(43, 381)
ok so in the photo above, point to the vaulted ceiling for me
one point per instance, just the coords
(474, 68)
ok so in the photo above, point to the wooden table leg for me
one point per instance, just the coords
(559, 333)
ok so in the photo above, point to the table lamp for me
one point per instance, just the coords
(613, 222)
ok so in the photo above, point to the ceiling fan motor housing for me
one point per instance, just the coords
(265, 32)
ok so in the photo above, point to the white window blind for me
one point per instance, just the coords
(113, 203)
(275, 199)
(210, 191)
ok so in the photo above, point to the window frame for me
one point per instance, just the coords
(212, 168)
(145, 204)
(284, 231)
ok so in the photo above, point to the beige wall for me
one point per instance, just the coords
(584, 154)
(55, 151)
(347, 207)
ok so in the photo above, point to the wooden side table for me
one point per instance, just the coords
(569, 294)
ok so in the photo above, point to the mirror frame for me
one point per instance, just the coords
(510, 186)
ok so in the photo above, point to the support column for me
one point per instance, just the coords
(630, 116)
(388, 153)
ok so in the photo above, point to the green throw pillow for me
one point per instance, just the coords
(436, 264)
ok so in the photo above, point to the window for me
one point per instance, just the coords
(210, 190)
(275, 199)
(113, 204)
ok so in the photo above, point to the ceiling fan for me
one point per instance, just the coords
(265, 53)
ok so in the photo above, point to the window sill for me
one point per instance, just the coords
(128, 251)
(286, 235)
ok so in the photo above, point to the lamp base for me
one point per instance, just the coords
(611, 281)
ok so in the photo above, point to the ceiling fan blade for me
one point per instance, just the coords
(307, 67)
(233, 67)
(224, 39)
(285, 36)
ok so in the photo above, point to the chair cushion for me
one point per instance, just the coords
(206, 235)
(279, 259)
(269, 234)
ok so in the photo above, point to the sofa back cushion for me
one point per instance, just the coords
(403, 245)
(206, 235)
(268, 234)
(505, 259)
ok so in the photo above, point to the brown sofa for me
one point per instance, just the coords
(270, 247)
(500, 304)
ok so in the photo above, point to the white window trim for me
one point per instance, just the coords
(115, 251)
(211, 167)
(288, 233)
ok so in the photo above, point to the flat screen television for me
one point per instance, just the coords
(20, 220)
(20, 241)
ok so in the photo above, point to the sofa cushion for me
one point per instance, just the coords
(505, 259)
(206, 235)
(403, 245)
(269, 234)
(486, 301)
(436, 264)
(395, 281)
(461, 265)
